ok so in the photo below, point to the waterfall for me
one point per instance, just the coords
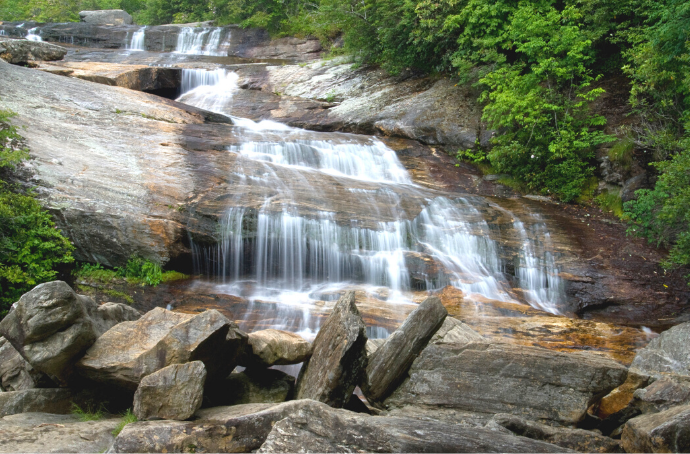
(32, 36)
(310, 213)
(137, 43)
(201, 41)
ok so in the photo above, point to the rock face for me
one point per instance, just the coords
(667, 354)
(319, 428)
(132, 350)
(271, 347)
(107, 315)
(504, 378)
(575, 439)
(388, 365)
(48, 400)
(662, 395)
(22, 52)
(668, 431)
(174, 392)
(106, 17)
(253, 386)
(16, 374)
(42, 432)
(339, 357)
(453, 331)
(52, 327)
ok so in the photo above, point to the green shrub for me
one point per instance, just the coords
(142, 270)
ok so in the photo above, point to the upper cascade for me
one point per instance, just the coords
(202, 41)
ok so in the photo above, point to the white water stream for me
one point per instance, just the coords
(137, 42)
(202, 41)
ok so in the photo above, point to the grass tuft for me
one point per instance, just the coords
(88, 413)
(127, 418)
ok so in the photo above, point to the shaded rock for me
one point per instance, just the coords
(132, 350)
(239, 428)
(43, 432)
(621, 397)
(107, 315)
(45, 400)
(662, 395)
(23, 52)
(668, 431)
(106, 17)
(339, 357)
(319, 428)
(453, 331)
(275, 347)
(667, 354)
(253, 386)
(631, 185)
(388, 365)
(16, 374)
(174, 392)
(575, 439)
(290, 48)
(504, 378)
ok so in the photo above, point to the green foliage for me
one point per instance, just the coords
(128, 417)
(611, 202)
(142, 270)
(622, 153)
(89, 413)
(137, 271)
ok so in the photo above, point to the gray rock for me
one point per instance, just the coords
(453, 331)
(42, 432)
(174, 392)
(506, 378)
(131, 350)
(253, 386)
(16, 374)
(666, 354)
(388, 365)
(373, 345)
(661, 395)
(631, 185)
(575, 439)
(23, 52)
(271, 347)
(46, 400)
(668, 431)
(319, 428)
(339, 357)
(107, 315)
(239, 428)
(106, 17)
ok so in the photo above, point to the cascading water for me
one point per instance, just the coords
(32, 35)
(137, 43)
(202, 41)
(313, 212)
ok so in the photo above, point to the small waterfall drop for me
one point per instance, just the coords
(201, 41)
(137, 43)
(32, 35)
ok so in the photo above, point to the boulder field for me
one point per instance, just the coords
(445, 388)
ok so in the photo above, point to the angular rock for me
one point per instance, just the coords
(45, 400)
(23, 52)
(503, 378)
(621, 397)
(106, 17)
(453, 331)
(373, 345)
(575, 439)
(388, 365)
(319, 428)
(339, 357)
(16, 374)
(43, 432)
(667, 354)
(174, 392)
(239, 428)
(107, 315)
(253, 386)
(132, 350)
(662, 395)
(668, 431)
(271, 347)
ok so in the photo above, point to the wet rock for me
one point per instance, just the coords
(23, 52)
(339, 357)
(504, 378)
(46, 400)
(173, 392)
(388, 365)
(667, 354)
(106, 17)
(132, 350)
(633, 184)
(575, 439)
(16, 374)
(668, 431)
(43, 432)
(662, 395)
(271, 347)
(253, 386)
(319, 428)
(239, 428)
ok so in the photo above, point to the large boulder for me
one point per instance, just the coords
(253, 386)
(271, 347)
(23, 52)
(667, 354)
(319, 428)
(667, 431)
(453, 331)
(16, 374)
(661, 395)
(339, 357)
(43, 432)
(48, 400)
(388, 365)
(174, 392)
(51, 327)
(504, 378)
(132, 350)
(106, 17)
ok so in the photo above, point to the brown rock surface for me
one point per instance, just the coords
(668, 431)
(173, 392)
(270, 347)
(23, 52)
(134, 77)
